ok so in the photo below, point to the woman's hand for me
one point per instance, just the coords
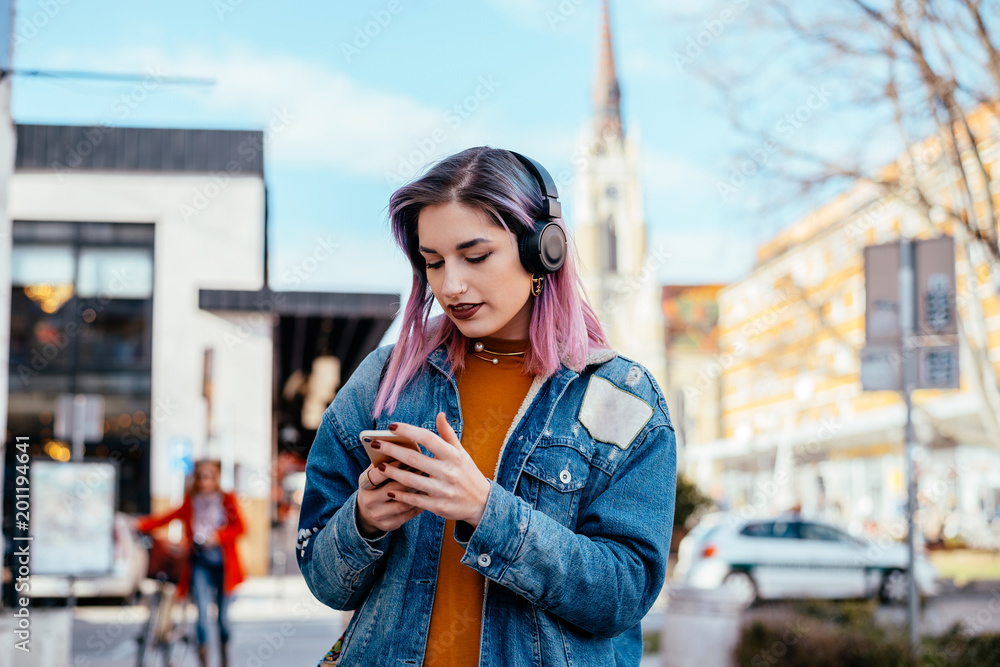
(377, 512)
(453, 487)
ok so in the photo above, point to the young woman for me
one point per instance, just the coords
(212, 522)
(533, 526)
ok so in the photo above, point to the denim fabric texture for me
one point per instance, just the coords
(573, 542)
(206, 585)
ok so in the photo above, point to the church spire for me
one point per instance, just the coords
(607, 95)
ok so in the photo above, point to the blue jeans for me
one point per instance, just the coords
(206, 575)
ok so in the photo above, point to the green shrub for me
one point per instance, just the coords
(815, 633)
(957, 649)
(651, 642)
(821, 634)
(690, 503)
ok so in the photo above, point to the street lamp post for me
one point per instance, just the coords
(907, 325)
(911, 333)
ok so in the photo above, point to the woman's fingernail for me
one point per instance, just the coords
(391, 494)
(393, 426)
(381, 466)
(376, 444)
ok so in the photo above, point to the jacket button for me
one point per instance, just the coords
(564, 477)
(485, 560)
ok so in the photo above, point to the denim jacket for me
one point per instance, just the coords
(573, 542)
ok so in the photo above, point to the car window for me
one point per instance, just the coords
(758, 529)
(786, 529)
(777, 529)
(815, 531)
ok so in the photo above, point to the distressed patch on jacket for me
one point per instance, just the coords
(611, 414)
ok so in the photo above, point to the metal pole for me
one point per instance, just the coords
(907, 321)
(78, 427)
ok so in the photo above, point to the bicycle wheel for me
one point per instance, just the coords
(149, 637)
(174, 638)
(184, 641)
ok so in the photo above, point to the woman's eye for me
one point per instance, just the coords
(471, 260)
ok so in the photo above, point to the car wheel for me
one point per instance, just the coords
(742, 587)
(895, 587)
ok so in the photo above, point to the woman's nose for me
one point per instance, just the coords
(454, 282)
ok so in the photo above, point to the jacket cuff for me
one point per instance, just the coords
(356, 551)
(496, 541)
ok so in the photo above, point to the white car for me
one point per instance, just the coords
(128, 570)
(791, 557)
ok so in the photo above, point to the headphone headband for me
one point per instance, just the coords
(551, 208)
(543, 249)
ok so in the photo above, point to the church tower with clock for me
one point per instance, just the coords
(618, 272)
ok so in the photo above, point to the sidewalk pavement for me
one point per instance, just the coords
(275, 622)
(280, 597)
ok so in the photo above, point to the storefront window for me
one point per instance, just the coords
(81, 323)
(115, 273)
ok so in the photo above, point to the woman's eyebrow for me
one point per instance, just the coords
(461, 246)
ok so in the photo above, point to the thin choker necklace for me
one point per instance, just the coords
(479, 347)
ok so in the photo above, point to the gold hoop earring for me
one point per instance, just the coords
(537, 284)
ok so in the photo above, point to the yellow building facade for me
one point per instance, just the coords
(798, 431)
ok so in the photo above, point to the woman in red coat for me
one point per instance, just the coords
(212, 522)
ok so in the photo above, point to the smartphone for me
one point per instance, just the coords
(387, 436)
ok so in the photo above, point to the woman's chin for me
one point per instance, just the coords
(473, 328)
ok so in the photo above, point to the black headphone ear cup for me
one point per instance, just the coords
(522, 250)
(543, 250)
(552, 247)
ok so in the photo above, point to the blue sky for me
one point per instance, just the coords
(360, 109)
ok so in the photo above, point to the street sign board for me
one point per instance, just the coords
(937, 367)
(932, 300)
(934, 261)
(73, 517)
(882, 293)
(180, 451)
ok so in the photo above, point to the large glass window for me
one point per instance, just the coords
(120, 273)
(81, 323)
(36, 265)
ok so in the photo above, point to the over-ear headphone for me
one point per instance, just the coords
(543, 249)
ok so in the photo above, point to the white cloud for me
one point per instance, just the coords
(357, 262)
(334, 119)
(343, 123)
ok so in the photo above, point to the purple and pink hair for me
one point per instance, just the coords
(563, 326)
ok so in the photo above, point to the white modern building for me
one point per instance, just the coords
(138, 275)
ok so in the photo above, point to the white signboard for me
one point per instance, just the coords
(72, 517)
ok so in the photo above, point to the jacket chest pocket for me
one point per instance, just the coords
(553, 481)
